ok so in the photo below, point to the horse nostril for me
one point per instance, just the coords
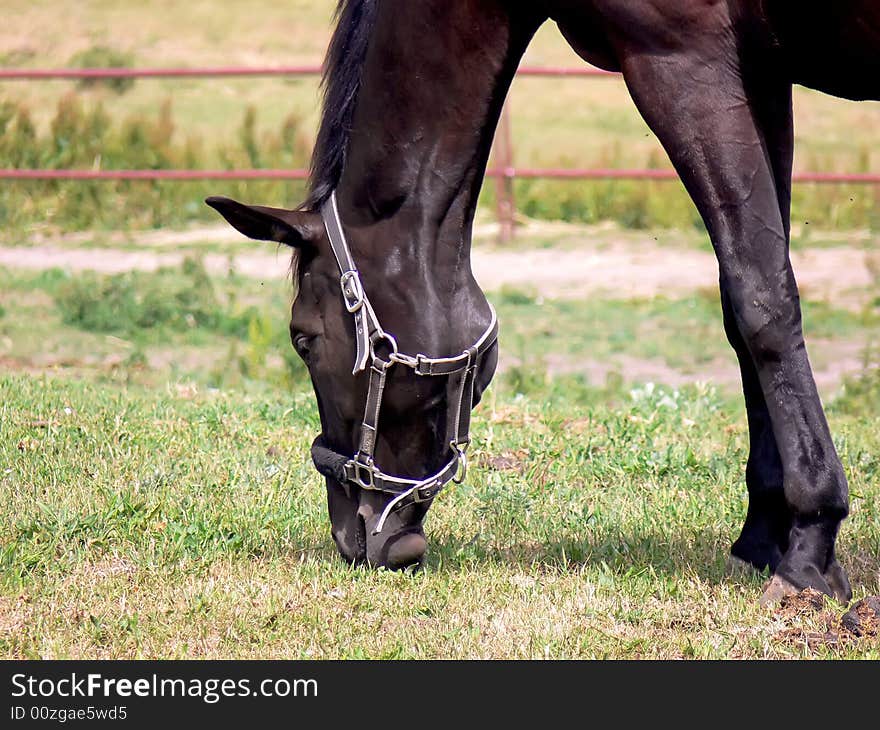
(352, 543)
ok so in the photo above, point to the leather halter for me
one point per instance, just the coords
(377, 349)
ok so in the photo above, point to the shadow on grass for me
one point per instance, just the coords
(702, 554)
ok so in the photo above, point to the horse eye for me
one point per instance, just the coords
(302, 344)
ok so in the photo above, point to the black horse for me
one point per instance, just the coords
(413, 92)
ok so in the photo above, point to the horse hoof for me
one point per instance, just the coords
(863, 619)
(738, 568)
(776, 589)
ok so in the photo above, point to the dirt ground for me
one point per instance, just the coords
(633, 267)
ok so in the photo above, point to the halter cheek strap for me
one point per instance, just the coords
(371, 341)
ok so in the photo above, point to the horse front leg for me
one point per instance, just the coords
(764, 537)
(715, 116)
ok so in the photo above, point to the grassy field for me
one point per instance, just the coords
(158, 499)
(156, 489)
(556, 122)
(580, 121)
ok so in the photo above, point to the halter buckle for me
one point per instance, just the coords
(364, 467)
(352, 290)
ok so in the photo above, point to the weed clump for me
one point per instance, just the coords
(125, 304)
(81, 136)
(176, 306)
(104, 57)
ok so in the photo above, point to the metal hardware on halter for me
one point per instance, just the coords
(410, 362)
(461, 453)
(381, 335)
(361, 470)
(352, 290)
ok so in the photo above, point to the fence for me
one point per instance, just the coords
(502, 169)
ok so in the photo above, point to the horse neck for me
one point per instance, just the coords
(432, 88)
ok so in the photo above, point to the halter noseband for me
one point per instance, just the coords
(361, 470)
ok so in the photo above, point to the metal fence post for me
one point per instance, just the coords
(504, 200)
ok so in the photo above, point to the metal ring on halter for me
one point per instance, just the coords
(382, 336)
(461, 453)
(353, 299)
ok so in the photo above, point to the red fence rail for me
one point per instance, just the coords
(34, 74)
(827, 178)
(503, 169)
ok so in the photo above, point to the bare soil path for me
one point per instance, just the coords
(627, 269)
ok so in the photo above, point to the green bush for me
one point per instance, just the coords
(88, 138)
(127, 304)
(150, 308)
(104, 57)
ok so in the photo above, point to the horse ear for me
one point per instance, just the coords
(296, 228)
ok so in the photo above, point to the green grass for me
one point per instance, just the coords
(157, 495)
(683, 332)
(140, 523)
(149, 327)
(165, 506)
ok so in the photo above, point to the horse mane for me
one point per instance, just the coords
(341, 80)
